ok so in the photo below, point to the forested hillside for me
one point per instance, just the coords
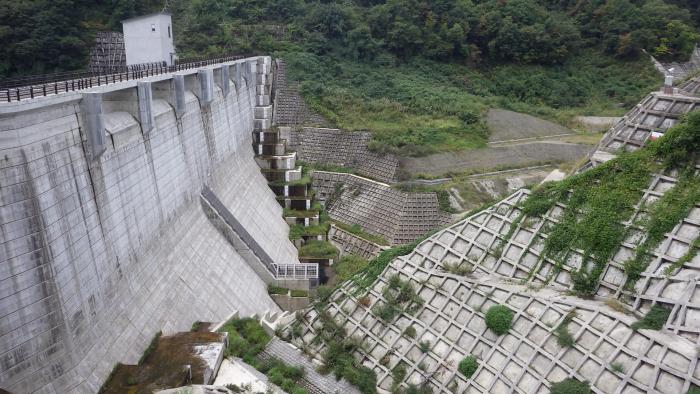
(418, 73)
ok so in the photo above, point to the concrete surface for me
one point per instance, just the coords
(98, 255)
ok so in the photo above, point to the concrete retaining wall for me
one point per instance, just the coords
(103, 238)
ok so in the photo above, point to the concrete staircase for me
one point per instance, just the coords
(278, 164)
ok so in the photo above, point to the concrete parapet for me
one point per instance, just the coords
(179, 94)
(224, 79)
(91, 108)
(206, 86)
(145, 99)
(239, 74)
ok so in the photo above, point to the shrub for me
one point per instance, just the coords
(424, 346)
(499, 319)
(468, 366)
(654, 319)
(571, 386)
(364, 301)
(195, 326)
(410, 331)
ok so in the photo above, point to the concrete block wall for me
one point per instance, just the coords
(101, 250)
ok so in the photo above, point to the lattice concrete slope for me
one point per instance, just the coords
(348, 243)
(395, 215)
(289, 107)
(649, 119)
(97, 255)
(528, 358)
(347, 149)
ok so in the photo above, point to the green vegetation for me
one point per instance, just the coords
(424, 346)
(571, 386)
(418, 74)
(338, 357)
(299, 293)
(318, 249)
(598, 201)
(664, 214)
(399, 297)
(277, 290)
(348, 266)
(410, 332)
(617, 367)
(196, 326)
(284, 376)
(655, 319)
(693, 390)
(499, 319)
(468, 366)
(564, 337)
(376, 266)
(357, 230)
(247, 339)
(398, 374)
(151, 348)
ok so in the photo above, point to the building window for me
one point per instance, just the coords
(168, 31)
(153, 27)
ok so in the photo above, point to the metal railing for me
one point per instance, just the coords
(296, 271)
(17, 89)
(278, 271)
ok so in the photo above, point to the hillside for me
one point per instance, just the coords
(586, 284)
(420, 75)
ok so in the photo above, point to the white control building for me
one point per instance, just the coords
(149, 39)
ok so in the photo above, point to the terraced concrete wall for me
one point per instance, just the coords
(98, 254)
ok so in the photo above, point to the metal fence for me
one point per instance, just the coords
(17, 89)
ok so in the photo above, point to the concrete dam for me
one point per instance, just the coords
(128, 209)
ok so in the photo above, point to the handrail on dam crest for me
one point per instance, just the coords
(18, 89)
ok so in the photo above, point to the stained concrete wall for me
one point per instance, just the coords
(98, 255)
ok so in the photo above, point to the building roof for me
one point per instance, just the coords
(145, 16)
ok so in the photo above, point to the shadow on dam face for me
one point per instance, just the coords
(104, 239)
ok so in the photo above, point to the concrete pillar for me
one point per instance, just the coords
(225, 82)
(145, 96)
(239, 77)
(206, 86)
(178, 90)
(91, 108)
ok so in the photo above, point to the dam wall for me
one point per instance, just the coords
(104, 236)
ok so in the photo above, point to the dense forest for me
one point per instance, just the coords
(418, 73)
(49, 35)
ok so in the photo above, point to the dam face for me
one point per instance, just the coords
(104, 236)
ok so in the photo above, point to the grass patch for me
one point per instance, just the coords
(246, 339)
(277, 290)
(655, 319)
(196, 326)
(399, 297)
(571, 386)
(499, 319)
(468, 366)
(564, 337)
(318, 249)
(299, 293)
(348, 266)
